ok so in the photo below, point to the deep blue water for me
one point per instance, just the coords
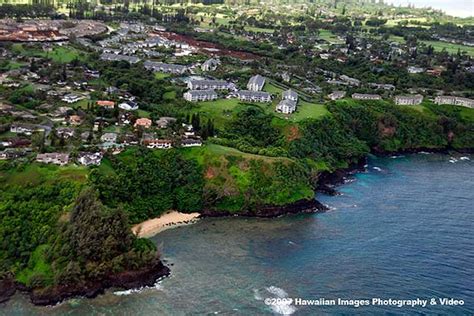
(403, 231)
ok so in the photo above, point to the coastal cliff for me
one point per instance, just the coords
(145, 276)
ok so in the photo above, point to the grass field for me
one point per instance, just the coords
(161, 75)
(450, 48)
(60, 54)
(439, 46)
(35, 173)
(329, 37)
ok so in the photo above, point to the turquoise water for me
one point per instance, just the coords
(402, 230)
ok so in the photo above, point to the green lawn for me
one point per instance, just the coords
(169, 95)
(143, 113)
(35, 173)
(450, 48)
(220, 110)
(329, 37)
(60, 54)
(258, 29)
(305, 110)
(161, 75)
(273, 89)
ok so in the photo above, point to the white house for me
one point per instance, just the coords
(256, 83)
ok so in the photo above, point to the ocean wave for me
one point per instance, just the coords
(156, 286)
(283, 307)
(377, 168)
(464, 158)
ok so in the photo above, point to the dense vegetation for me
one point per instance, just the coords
(147, 183)
(52, 234)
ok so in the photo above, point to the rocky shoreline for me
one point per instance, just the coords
(327, 182)
(50, 296)
(271, 211)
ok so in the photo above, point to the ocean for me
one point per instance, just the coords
(398, 235)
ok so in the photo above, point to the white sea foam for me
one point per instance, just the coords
(156, 286)
(453, 160)
(282, 308)
(279, 292)
(377, 168)
(464, 158)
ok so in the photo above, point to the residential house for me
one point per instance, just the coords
(71, 98)
(164, 121)
(384, 86)
(191, 142)
(128, 106)
(256, 83)
(106, 104)
(286, 106)
(74, 119)
(408, 99)
(210, 64)
(254, 96)
(350, 81)
(209, 85)
(200, 95)
(143, 122)
(23, 128)
(155, 143)
(415, 70)
(89, 159)
(54, 158)
(65, 132)
(362, 96)
(109, 137)
(336, 95)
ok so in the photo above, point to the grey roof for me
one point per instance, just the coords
(288, 103)
(255, 94)
(258, 80)
(153, 65)
(289, 94)
(202, 92)
(116, 57)
(209, 83)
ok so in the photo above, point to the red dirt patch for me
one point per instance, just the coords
(207, 47)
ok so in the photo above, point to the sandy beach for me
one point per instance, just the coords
(171, 219)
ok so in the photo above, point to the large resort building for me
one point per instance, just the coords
(454, 101)
(162, 67)
(254, 96)
(200, 95)
(362, 96)
(408, 99)
(209, 84)
(256, 83)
